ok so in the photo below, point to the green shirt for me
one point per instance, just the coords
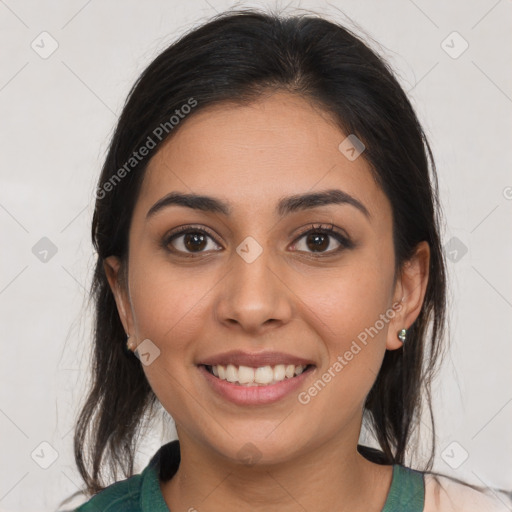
(141, 493)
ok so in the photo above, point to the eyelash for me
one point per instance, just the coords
(345, 243)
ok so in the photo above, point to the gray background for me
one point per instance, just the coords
(57, 114)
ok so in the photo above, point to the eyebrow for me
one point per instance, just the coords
(285, 205)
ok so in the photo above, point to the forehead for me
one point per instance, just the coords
(252, 155)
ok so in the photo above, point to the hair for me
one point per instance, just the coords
(237, 57)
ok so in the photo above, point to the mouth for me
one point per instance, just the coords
(248, 376)
(251, 386)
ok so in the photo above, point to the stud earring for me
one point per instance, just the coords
(130, 344)
(402, 335)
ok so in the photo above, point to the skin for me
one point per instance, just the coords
(286, 300)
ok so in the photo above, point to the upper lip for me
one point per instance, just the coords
(255, 359)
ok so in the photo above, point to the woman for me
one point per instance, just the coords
(267, 230)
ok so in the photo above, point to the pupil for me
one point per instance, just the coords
(316, 237)
(191, 240)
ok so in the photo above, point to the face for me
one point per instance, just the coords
(261, 275)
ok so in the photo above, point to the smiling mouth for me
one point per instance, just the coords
(261, 376)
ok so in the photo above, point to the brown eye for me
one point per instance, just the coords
(194, 241)
(189, 240)
(319, 239)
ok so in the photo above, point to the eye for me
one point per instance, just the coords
(319, 238)
(189, 239)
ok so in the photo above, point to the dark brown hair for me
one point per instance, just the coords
(238, 56)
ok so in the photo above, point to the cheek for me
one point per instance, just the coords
(354, 337)
(352, 313)
(352, 298)
(168, 303)
(169, 310)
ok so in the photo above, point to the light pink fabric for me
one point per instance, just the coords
(442, 494)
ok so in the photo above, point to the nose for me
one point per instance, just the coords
(255, 296)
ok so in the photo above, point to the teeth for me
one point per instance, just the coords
(245, 374)
(231, 373)
(290, 371)
(264, 375)
(279, 372)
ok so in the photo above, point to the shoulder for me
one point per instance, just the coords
(444, 494)
(123, 495)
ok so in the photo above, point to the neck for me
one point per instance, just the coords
(330, 476)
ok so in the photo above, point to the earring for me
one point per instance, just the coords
(130, 345)
(402, 335)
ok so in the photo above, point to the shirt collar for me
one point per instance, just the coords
(151, 497)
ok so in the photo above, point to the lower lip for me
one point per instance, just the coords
(252, 395)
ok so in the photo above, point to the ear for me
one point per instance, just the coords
(410, 289)
(119, 287)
